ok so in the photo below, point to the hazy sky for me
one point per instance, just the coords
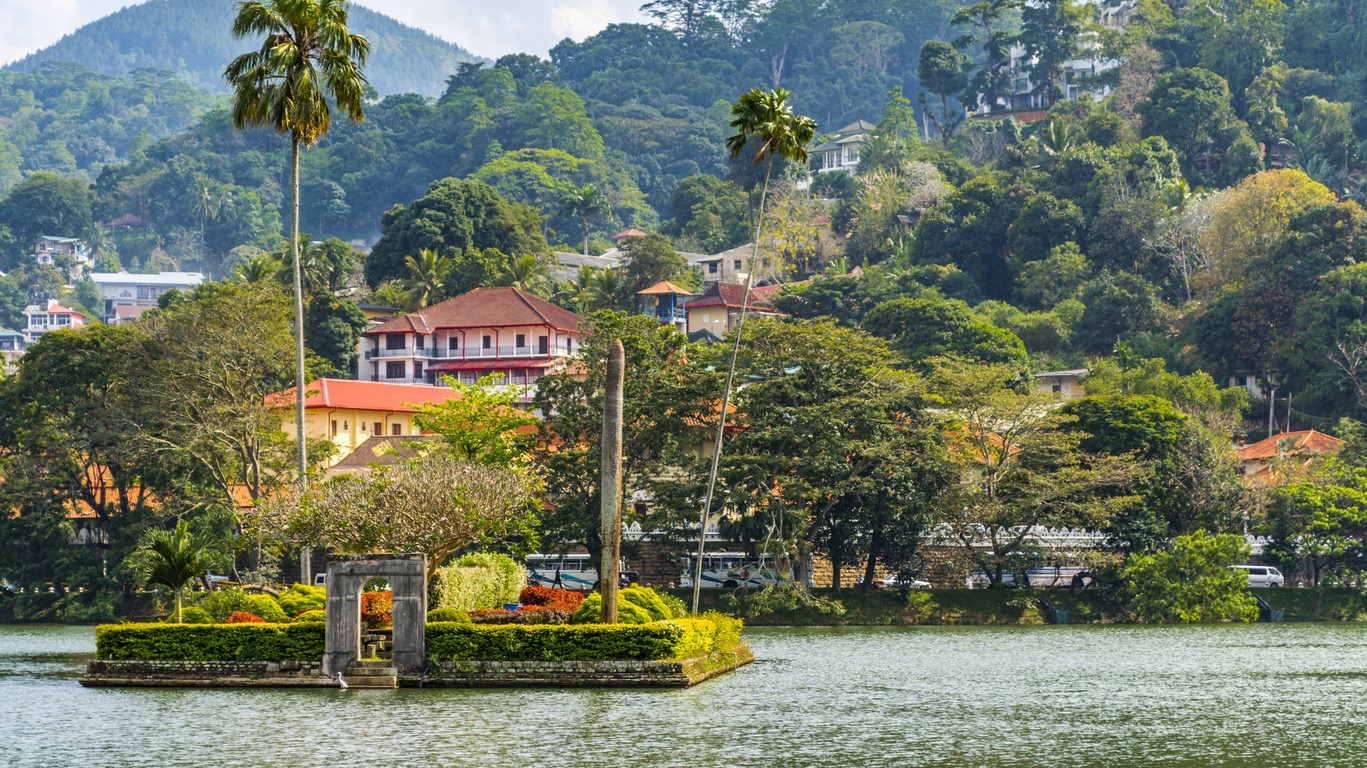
(485, 27)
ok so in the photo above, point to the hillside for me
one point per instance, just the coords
(191, 37)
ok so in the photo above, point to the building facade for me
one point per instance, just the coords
(488, 331)
(718, 308)
(348, 413)
(47, 250)
(125, 294)
(51, 316)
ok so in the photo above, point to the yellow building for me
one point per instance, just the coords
(350, 412)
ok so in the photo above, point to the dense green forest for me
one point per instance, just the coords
(1206, 215)
(189, 37)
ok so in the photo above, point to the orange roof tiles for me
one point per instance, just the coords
(727, 295)
(1303, 441)
(484, 308)
(664, 288)
(366, 395)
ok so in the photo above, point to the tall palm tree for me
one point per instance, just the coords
(766, 119)
(577, 290)
(308, 60)
(602, 294)
(174, 559)
(426, 279)
(583, 202)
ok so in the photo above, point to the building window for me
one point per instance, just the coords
(379, 430)
(396, 429)
(393, 370)
(542, 345)
(394, 341)
(712, 267)
(1241, 381)
(419, 341)
(569, 346)
(362, 426)
(417, 369)
(521, 340)
(488, 342)
(736, 264)
(144, 292)
(1058, 387)
(345, 426)
(334, 427)
(453, 344)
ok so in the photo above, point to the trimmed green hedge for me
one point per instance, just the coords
(210, 642)
(677, 639)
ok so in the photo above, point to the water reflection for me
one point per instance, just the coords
(1284, 695)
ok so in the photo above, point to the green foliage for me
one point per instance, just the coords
(783, 598)
(677, 639)
(302, 597)
(1191, 581)
(210, 642)
(222, 603)
(930, 327)
(482, 580)
(173, 559)
(315, 615)
(677, 609)
(628, 612)
(448, 615)
(191, 615)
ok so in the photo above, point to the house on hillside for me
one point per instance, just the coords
(718, 308)
(841, 151)
(12, 346)
(731, 266)
(1266, 460)
(51, 316)
(47, 251)
(625, 235)
(567, 264)
(350, 413)
(504, 331)
(1066, 384)
(665, 302)
(127, 295)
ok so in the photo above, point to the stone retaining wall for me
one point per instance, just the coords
(453, 674)
(193, 674)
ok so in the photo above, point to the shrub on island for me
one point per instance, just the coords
(243, 617)
(661, 640)
(210, 642)
(302, 597)
(635, 605)
(552, 598)
(315, 615)
(191, 615)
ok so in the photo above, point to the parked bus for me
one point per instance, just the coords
(577, 572)
(729, 570)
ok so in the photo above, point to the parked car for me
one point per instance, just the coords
(1262, 575)
(892, 582)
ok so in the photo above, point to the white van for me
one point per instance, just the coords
(1262, 575)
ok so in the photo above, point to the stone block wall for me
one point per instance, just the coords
(192, 674)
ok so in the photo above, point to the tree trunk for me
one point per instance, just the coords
(611, 485)
(726, 394)
(586, 235)
(870, 568)
(180, 619)
(299, 384)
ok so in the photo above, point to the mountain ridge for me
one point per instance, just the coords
(190, 37)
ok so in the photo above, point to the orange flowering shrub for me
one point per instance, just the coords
(242, 617)
(527, 614)
(563, 599)
(377, 610)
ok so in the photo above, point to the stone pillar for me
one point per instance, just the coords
(410, 614)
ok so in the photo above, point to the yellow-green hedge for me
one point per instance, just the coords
(210, 642)
(660, 640)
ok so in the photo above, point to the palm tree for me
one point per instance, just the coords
(426, 279)
(174, 559)
(526, 272)
(602, 294)
(581, 203)
(261, 268)
(307, 60)
(765, 118)
(577, 290)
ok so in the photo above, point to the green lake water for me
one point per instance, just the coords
(1260, 695)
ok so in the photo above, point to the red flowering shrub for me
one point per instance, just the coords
(242, 617)
(563, 599)
(377, 610)
(527, 614)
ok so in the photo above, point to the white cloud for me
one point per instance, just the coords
(485, 27)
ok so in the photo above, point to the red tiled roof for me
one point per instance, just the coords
(728, 295)
(627, 233)
(124, 312)
(664, 288)
(484, 308)
(365, 395)
(58, 309)
(1303, 441)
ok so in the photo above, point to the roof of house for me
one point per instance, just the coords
(53, 308)
(8, 332)
(484, 308)
(383, 450)
(665, 288)
(123, 312)
(366, 395)
(608, 259)
(855, 130)
(766, 293)
(727, 295)
(1303, 441)
(703, 335)
(364, 307)
(626, 234)
(1070, 373)
(159, 278)
(60, 239)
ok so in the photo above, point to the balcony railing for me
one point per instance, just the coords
(471, 353)
(666, 315)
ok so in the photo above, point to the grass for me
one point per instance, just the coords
(1335, 604)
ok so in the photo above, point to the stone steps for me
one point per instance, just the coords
(371, 674)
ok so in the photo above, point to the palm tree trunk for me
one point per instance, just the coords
(610, 485)
(302, 452)
(726, 393)
(586, 235)
(180, 618)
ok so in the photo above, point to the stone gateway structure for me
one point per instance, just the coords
(407, 577)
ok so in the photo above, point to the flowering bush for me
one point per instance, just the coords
(553, 598)
(242, 617)
(377, 610)
(527, 614)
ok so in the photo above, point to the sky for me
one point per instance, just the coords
(484, 27)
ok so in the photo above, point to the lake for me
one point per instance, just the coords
(1257, 695)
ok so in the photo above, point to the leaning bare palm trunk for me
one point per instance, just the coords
(302, 448)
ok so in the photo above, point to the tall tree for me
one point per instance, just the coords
(583, 202)
(943, 70)
(307, 62)
(992, 81)
(1050, 30)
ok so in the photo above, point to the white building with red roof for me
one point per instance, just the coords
(718, 308)
(502, 331)
(1268, 460)
(51, 316)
